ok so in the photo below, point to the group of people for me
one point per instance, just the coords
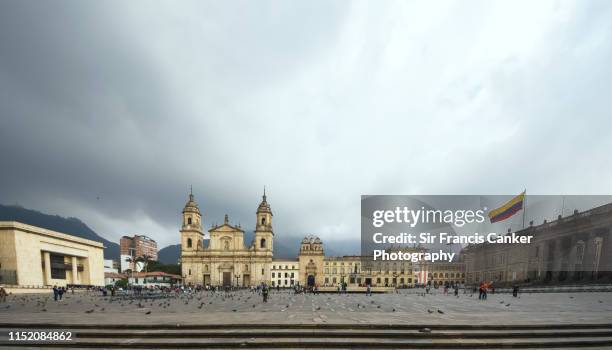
(455, 288)
(58, 292)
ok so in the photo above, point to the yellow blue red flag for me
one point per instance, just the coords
(512, 207)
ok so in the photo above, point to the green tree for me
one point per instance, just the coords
(122, 283)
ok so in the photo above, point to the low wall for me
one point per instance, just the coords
(358, 289)
(27, 289)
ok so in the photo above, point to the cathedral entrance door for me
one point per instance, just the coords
(311, 281)
(206, 279)
(227, 279)
(246, 280)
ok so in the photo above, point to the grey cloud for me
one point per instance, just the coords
(321, 102)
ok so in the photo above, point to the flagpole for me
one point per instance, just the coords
(524, 206)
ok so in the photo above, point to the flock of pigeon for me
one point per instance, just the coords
(251, 301)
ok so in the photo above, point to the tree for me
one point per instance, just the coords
(122, 283)
(174, 269)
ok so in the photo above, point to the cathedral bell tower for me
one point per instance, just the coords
(263, 228)
(191, 230)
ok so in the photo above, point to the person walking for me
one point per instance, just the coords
(3, 295)
(55, 293)
(515, 291)
(264, 293)
(60, 292)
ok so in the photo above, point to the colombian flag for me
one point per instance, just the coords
(508, 209)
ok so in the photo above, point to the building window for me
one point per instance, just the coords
(226, 245)
(262, 243)
(189, 243)
(262, 272)
(263, 221)
(189, 272)
(188, 221)
(58, 270)
(272, 272)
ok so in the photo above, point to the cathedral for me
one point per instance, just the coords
(226, 259)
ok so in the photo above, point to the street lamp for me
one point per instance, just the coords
(237, 277)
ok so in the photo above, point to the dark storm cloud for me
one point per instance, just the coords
(110, 110)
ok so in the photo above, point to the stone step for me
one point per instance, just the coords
(317, 326)
(337, 343)
(335, 333)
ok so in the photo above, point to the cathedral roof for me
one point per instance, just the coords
(191, 205)
(311, 239)
(264, 207)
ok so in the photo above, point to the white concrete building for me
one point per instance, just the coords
(285, 273)
(153, 279)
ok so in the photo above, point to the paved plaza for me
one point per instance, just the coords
(284, 307)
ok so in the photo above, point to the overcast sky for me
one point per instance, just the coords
(109, 111)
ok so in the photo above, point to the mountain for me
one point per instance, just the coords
(72, 226)
(285, 247)
(169, 254)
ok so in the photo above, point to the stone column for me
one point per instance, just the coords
(47, 257)
(75, 271)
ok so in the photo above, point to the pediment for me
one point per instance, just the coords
(225, 228)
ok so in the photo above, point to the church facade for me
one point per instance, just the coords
(226, 260)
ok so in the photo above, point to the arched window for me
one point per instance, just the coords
(189, 243)
(262, 243)
(226, 245)
(188, 221)
(263, 221)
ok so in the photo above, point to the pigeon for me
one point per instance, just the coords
(431, 312)
(440, 311)
(425, 330)
(394, 310)
(148, 313)
(44, 310)
(89, 311)
(507, 304)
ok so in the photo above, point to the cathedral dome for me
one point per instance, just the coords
(191, 206)
(264, 207)
(311, 239)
